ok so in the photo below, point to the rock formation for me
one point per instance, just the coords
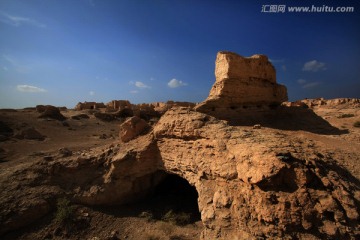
(353, 102)
(132, 128)
(5, 131)
(80, 116)
(107, 117)
(53, 113)
(30, 133)
(252, 183)
(40, 108)
(242, 83)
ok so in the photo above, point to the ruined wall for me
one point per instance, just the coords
(242, 81)
(119, 104)
(89, 105)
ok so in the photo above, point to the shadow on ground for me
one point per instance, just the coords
(282, 118)
(172, 198)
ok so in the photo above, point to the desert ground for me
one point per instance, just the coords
(143, 219)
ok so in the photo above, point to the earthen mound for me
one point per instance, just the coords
(125, 113)
(53, 113)
(257, 183)
(321, 102)
(107, 117)
(40, 108)
(31, 134)
(5, 131)
(80, 116)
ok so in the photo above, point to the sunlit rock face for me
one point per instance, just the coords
(243, 81)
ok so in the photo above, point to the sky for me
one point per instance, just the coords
(62, 52)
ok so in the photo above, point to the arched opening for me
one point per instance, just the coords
(174, 199)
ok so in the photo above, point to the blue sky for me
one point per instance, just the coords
(61, 52)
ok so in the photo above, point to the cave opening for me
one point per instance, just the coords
(174, 198)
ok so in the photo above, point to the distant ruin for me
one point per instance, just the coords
(119, 104)
(89, 105)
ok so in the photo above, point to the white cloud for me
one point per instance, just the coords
(134, 91)
(311, 85)
(27, 88)
(314, 66)
(174, 83)
(141, 85)
(92, 93)
(301, 81)
(19, 21)
(283, 67)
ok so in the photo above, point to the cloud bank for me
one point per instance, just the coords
(310, 85)
(174, 83)
(141, 85)
(28, 88)
(314, 66)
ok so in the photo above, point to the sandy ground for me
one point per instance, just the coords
(117, 222)
(128, 222)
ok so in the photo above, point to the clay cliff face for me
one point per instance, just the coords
(256, 184)
(251, 183)
(243, 82)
